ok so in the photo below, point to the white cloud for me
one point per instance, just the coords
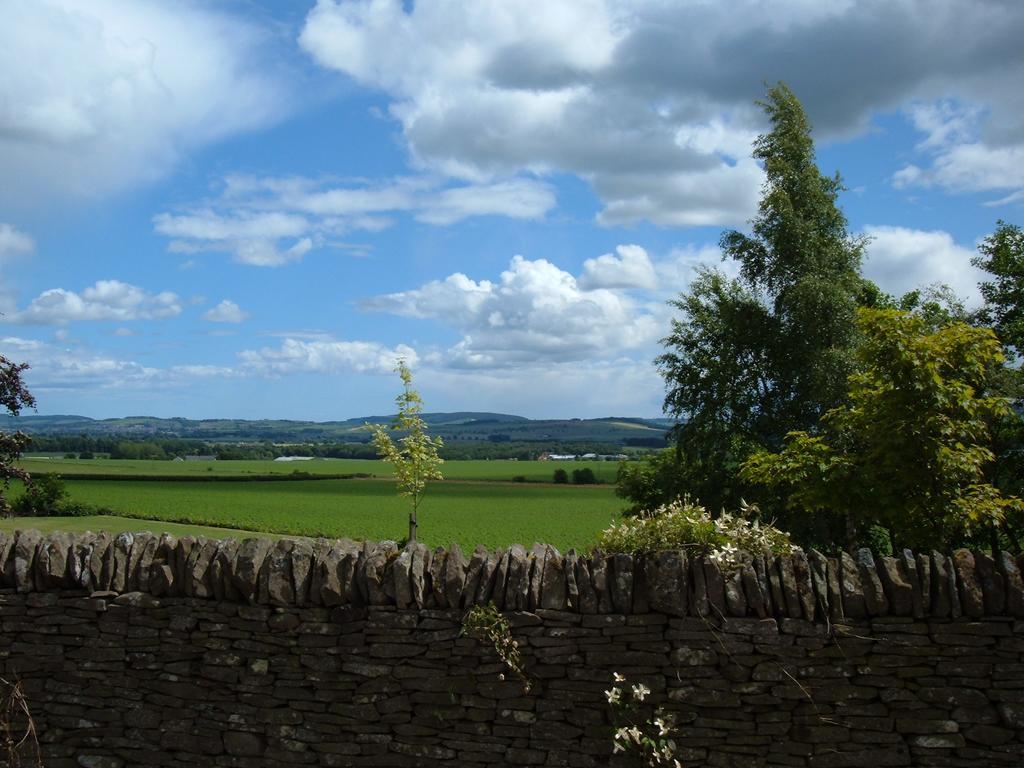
(226, 312)
(269, 222)
(106, 300)
(901, 260)
(304, 356)
(100, 95)
(631, 268)
(652, 102)
(14, 243)
(534, 312)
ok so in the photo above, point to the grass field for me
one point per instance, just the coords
(533, 471)
(466, 509)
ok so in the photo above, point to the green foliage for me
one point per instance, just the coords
(584, 476)
(1001, 254)
(754, 357)
(683, 525)
(46, 495)
(14, 396)
(415, 457)
(561, 477)
(653, 482)
(910, 449)
(487, 624)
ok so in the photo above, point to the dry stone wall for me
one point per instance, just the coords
(153, 650)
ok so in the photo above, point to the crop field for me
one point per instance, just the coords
(494, 511)
(531, 471)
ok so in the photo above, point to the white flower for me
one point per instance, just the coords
(618, 678)
(613, 695)
(618, 746)
(636, 734)
(640, 691)
(664, 729)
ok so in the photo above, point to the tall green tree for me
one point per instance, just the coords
(1001, 255)
(752, 358)
(14, 396)
(414, 453)
(910, 449)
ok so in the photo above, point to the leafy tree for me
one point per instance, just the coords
(754, 357)
(45, 496)
(909, 450)
(584, 476)
(651, 483)
(13, 396)
(561, 477)
(1001, 254)
(415, 456)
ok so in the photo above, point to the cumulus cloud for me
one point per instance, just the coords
(101, 95)
(534, 312)
(270, 221)
(226, 312)
(14, 242)
(901, 260)
(631, 268)
(652, 102)
(106, 300)
(325, 356)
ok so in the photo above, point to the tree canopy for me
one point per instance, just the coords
(14, 396)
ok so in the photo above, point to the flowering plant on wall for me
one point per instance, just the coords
(650, 737)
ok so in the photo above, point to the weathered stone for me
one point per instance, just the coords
(972, 600)
(698, 588)
(162, 567)
(804, 585)
(600, 579)
(585, 586)
(854, 604)
(621, 582)
(836, 612)
(735, 600)
(275, 577)
(185, 545)
(640, 602)
(775, 585)
(518, 586)
(144, 545)
(761, 565)
(436, 577)
(6, 559)
(874, 594)
(790, 591)
(136, 599)
(553, 596)
(197, 567)
(302, 570)
(401, 574)
(101, 562)
(752, 589)
(473, 570)
(78, 560)
(248, 566)
(1013, 583)
(897, 586)
(924, 574)
(331, 593)
(454, 576)
(122, 547)
(418, 570)
(321, 548)
(908, 566)
(572, 591)
(536, 557)
(941, 602)
(376, 570)
(222, 568)
(818, 564)
(488, 574)
(666, 583)
(244, 743)
(51, 562)
(501, 580)
(992, 588)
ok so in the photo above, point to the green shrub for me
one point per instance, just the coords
(687, 526)
(44, 495)
(561, 477)
(584, 476)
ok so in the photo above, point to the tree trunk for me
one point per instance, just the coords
(412, 525)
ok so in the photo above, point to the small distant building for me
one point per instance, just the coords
(204, 457)
(561, 457)
(294, 458)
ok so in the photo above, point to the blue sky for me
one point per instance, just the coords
(250, 209)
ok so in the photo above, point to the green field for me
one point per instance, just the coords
(466, 509)
(533, 471)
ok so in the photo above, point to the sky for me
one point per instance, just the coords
(248, 209)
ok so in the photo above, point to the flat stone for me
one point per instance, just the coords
(790, 591)
(1013, 584)
(51, 562)
(454, 576)
(924, 574)
(761, 565)
(136, 600)
(555, 593)
(572, 591)
(699, 604)
(874, 593)
(536, 557)
(375, 569)
(197, 566)
(244, 743)
(181, 576)
(714, 585)
(666, 583)
(500, 586)
(222, 567)
(818, 564)
(78, 560)
(752, 589)
(144, 541)
(436, 578)
(321, 547)
(275, 581)
(473, 570)
(485, 586)
(735, 600)
(162, 568)
(941, 568)
(585, 587)
(247, 567)
(835, 590)
(100, 561)
(302, 570)
(517, 587)
(600, 579)
(419, 567)
(897, 586)
(992, 588)
(854, 604)
(804, 585)
(401, 574)
(621, 582)
(122, 547)
(972, 600)
(908, 565)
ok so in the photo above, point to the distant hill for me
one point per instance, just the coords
(463, 426)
